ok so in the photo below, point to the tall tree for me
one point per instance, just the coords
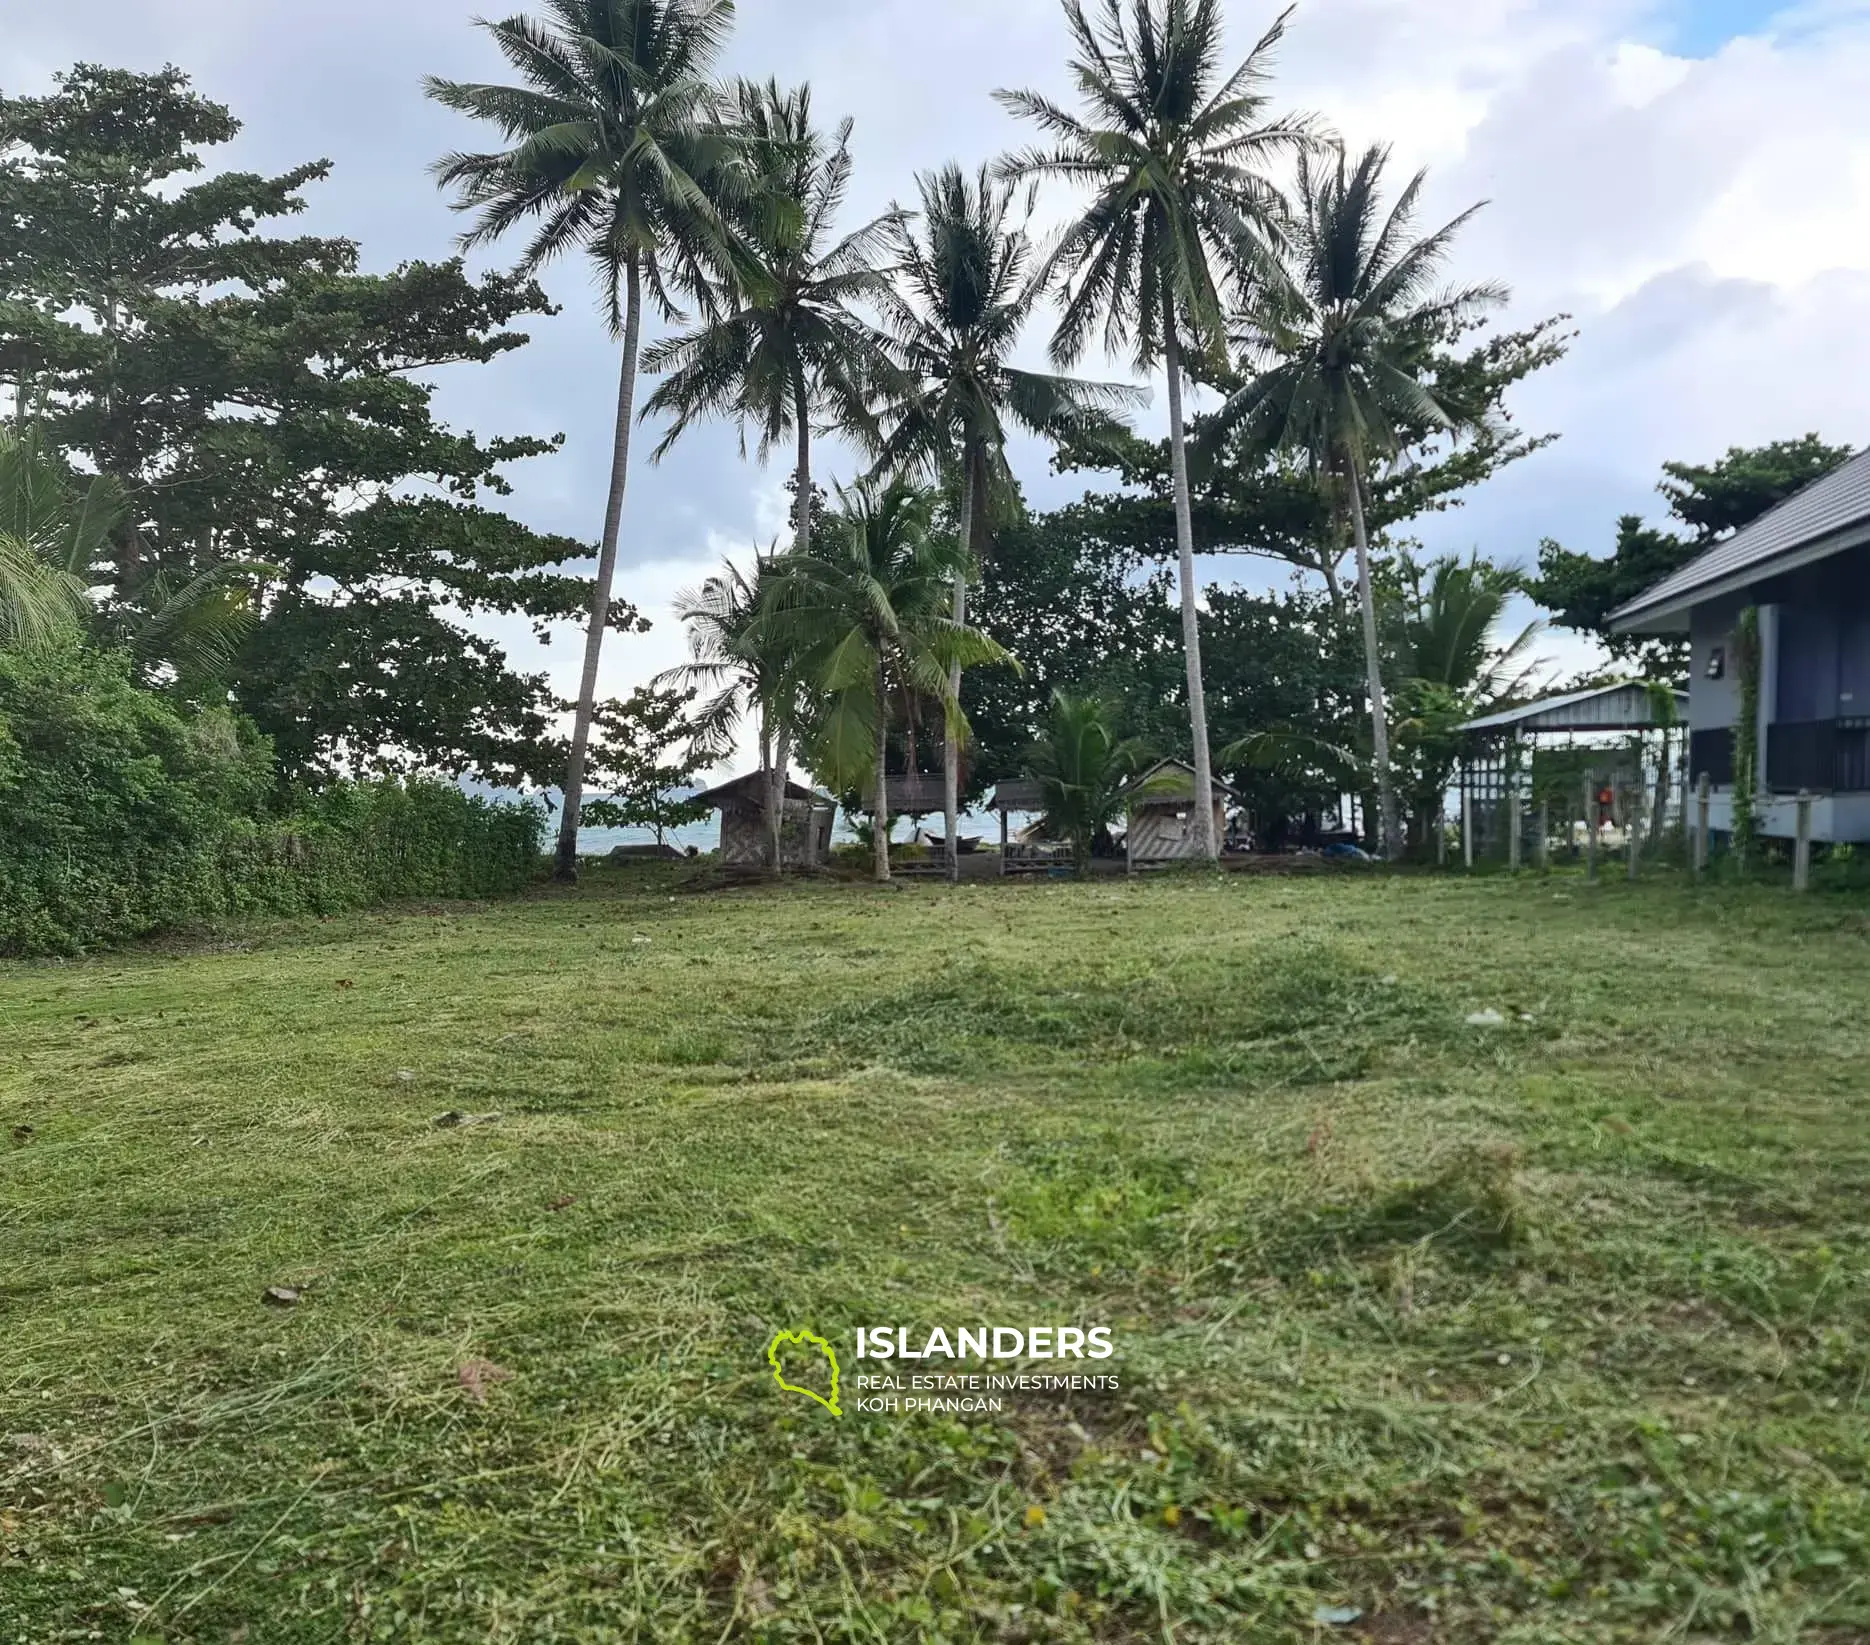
(1269, 504)
(963, 297)
(617, 151)
(1175, 156)
(783, 345)
(645, 760)
(864, 616)
(251, 400)
(1712, 500)
(739, 681)
(1341, 327)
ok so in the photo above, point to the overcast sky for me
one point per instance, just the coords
(1689, 178)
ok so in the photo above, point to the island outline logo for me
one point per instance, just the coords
(806, 1339)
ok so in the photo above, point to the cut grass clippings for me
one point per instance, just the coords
(410, 1276)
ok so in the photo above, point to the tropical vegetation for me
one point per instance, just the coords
(299, 542)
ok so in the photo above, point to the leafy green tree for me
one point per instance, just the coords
(254, 401)
(1084, 617)
(644, 757)
(963, 297)
(1247, 500)
(1285, 673)
(1712, 500)
(616, 150)
(1082, 769)
(1341, 327)
(782, 345)
(863, 619)
(1175, 157)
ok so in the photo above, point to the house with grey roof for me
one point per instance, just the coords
(1805, 566)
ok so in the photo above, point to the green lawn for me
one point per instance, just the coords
(1547, 1330)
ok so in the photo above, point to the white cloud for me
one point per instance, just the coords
(1706, 219)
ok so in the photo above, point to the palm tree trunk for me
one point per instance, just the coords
(802, 542)
(880, 806)
(1185, 558)
(951, 748)
(1373, 669)
(567, 867)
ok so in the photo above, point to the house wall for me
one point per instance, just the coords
(1169, 833)
(1836, 818)
(1713, 704)
(1824, 640)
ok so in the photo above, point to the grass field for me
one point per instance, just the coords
(1552, 1329)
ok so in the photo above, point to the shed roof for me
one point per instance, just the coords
(1827, 517)
(752, 789)
(1160, 777)
(1018, 794)
(1623, 707)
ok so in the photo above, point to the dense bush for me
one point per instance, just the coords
(125, 815)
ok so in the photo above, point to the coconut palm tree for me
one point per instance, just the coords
(863, 618)
(1175, 155)
(782, 344)
(739, 683)
(57, 532)
(963, 297)
(1082, 768)
(616, 151)
(1338, 332)
(1458, 663)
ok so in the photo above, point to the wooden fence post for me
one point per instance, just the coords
(1544, 846)
(1633, 834)
(1704, 795)
(1802, 847)
(1590, 825)
(1441, 835)
(1467, 828)
(1514, 845)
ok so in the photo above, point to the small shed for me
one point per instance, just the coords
(746, 834)
(1511, 760)
(1164, 822)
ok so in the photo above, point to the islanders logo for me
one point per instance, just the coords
(805, 1340)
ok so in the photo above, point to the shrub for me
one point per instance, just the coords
(127, 815)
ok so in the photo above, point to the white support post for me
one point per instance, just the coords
(1467, 827)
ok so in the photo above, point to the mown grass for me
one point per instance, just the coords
(1548, 1331)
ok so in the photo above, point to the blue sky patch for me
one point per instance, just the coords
(1700, 28)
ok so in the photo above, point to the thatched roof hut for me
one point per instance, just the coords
(746, 834)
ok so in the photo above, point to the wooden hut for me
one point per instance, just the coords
(1164, 824)
(1026, 796)
(746, 835)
